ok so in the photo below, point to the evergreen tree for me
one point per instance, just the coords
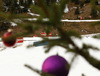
(96, 2)
(77, 1)
(82, 4)
(94, 13)
(14, 6)
(1, 5)
(54, 17)
(77, 12)
(48, 2)
(87, 1)
(3, 23)
(72, 0)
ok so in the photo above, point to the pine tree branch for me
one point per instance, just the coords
(33, 69)
(85, 54)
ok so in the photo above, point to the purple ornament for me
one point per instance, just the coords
(56, 66)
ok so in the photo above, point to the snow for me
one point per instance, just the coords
(13, 24)
(66, 9)
(33, 14)
(63, 20)
(46, 19)
(66, 20)
(12, 60)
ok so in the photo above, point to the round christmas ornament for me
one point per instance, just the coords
(55, 65)
(8, 39)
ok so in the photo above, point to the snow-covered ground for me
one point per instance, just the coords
(66, 20)
(12, 60)
(63, 20)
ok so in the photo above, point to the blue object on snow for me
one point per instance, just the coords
(37, 43)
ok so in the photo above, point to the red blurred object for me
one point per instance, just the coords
(81, 17)
(35, 35)
(43, 34)
(8, 39)
(50, 34)
(20, 40)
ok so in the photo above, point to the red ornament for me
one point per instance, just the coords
(55, 65)
(8, 39)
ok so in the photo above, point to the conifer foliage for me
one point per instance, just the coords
(17, 6)
(53, 14)
(77, 12)
(50, 17)
(94, 13)
(3, 23)
(1, 5)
